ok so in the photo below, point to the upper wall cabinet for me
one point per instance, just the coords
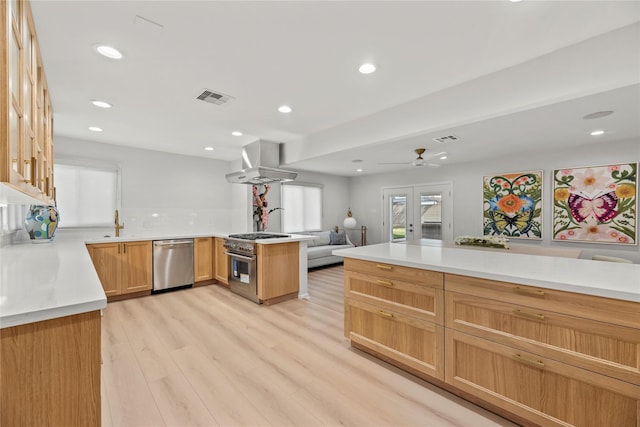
(26, 117)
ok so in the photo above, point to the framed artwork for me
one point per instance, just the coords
(596, 204)
(513, 205)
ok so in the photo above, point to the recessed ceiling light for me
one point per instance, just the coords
(443, 157)
(155, 215)
(285, 109)
(367, 68)
(358, 170)
(108, 51)
(598, 114)
(95, 129)
(515, 1)
(597, 132)
(236, 133)
(208, 148)
(101, 104)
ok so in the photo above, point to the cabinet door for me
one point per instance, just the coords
(414, 343)
(222, 262)
(608, 349)
(278, 270)
(137, 267)
(410, 298)
(106, 260)
(203, 259)
(543, 390)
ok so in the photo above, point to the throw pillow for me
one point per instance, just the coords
(337, 238)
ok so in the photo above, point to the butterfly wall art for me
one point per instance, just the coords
(596, 204)
(513, 205)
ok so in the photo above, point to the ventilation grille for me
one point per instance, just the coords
(212, 97)
(446, 139)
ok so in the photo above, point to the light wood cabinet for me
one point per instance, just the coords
(539, 356)
(580, 305)
(567, 348)
(50, 372)
(26, 134)
(278, 272)
(123, 268)
(397, 313)
(540, 389)
(221, 262)
(203, 259)
(601, 347)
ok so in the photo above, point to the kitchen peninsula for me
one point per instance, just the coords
(50, 327)
(537, 339)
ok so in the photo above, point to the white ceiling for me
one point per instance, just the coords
(502, 76)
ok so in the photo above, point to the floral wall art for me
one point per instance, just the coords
(513, 205)
(596, 204)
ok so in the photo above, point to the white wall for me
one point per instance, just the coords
(189, 194)
(366, 191)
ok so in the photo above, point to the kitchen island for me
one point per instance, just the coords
(537, 339)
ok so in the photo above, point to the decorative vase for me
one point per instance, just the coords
(41, 223)
(259, 226)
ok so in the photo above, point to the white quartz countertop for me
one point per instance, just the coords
(96, 237)
(606, 279)
(47, 280)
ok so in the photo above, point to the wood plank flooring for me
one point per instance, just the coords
(207, 357)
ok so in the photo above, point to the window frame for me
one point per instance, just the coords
(283, 186)
(96, 165)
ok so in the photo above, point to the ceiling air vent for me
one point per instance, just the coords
(446, 139)
(212, 97)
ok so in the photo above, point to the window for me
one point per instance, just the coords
(12, 217)
(302, 207)
(87, 196)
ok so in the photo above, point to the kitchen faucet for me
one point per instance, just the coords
(118, 226)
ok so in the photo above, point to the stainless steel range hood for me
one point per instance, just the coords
(260, 165)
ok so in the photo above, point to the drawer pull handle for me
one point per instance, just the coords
(384, 282)
(535, 363)
(384, 313)
(536, 316)
(384, 267)
(527, 291)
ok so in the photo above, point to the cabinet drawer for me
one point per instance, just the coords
(625, 313)
(410, 341)
(545, 391)
(395, 272)
(408, 298)
(602, 347)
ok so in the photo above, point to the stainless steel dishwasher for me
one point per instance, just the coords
(172, 264)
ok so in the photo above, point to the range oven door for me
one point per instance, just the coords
(243, 277)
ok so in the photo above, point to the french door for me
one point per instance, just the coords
(417, 212)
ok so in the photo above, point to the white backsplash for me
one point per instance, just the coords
(150, 221)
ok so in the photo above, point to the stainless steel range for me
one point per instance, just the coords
(243, 263)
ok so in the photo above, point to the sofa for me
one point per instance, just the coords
(319, 250)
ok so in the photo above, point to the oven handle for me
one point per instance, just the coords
(253, 258)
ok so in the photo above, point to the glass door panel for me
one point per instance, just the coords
(398, 214)
(398, 217)
(434, 211)
(431, 216)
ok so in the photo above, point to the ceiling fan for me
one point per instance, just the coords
(419, 161)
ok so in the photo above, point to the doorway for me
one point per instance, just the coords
(417, 212)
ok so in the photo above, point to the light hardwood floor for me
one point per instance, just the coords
(207, 357)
